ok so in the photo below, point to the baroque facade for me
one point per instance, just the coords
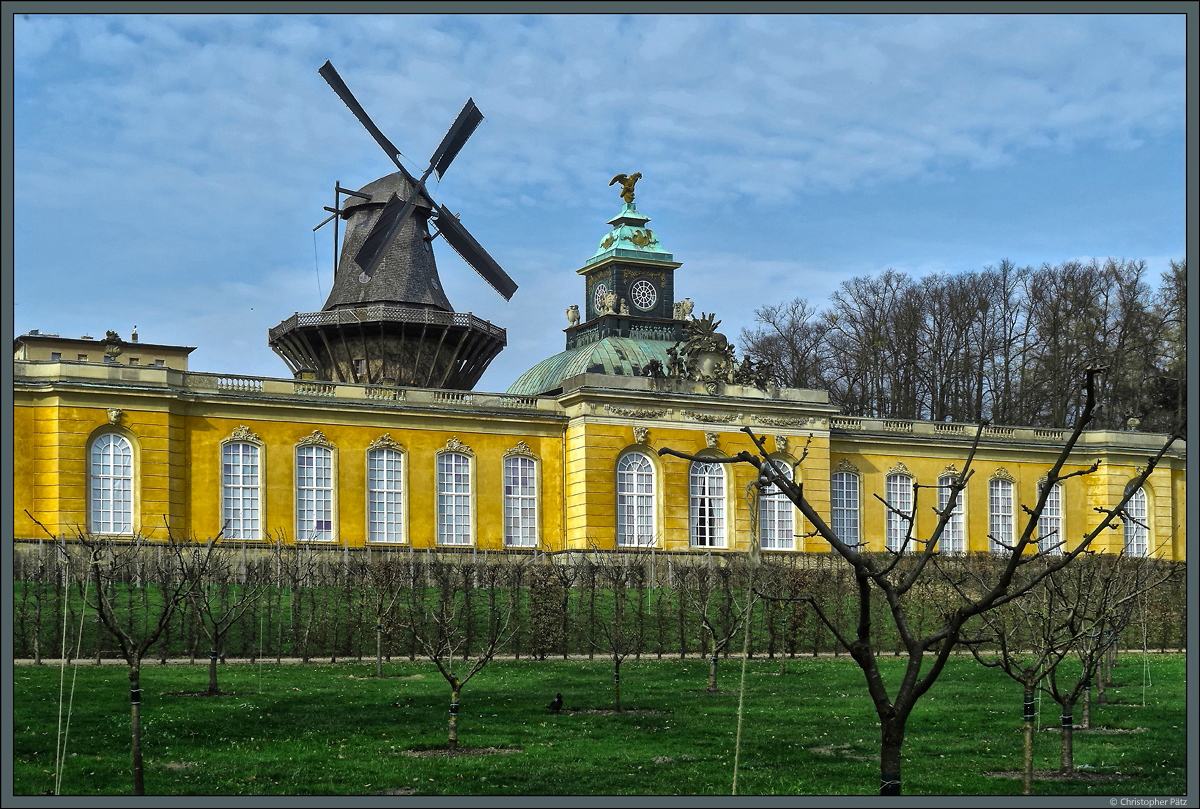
(567, 458)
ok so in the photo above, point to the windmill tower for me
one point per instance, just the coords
(387, 320)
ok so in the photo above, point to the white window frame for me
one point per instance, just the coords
(386, 494)
(1050, 524)
(110, 485)
(241, 489)
(1137, 537)
(844, 489)
(1001, 515)
(521, 485)
(706, 505)
(776, 514)
(316, 493)
(954, 537)
(899, 491)
(455, 482)
(637, 489)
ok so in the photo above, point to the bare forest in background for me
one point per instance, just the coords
(1005, 344)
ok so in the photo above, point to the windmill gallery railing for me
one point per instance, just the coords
(380, 312)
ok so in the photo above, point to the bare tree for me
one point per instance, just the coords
(710, 591)
(1027, 639)
(442, 628)
(219, 602)
(621, 574)
(896, 575)
(790, 341)
(110, 566)
(1102, 591)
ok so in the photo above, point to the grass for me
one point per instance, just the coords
(336, 730)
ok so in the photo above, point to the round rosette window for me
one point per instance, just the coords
(598, 296)
(643, 294)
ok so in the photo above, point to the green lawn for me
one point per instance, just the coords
(335, 729)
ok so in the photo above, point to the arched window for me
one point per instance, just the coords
(1000, 515)
(1137, 526)
(520, 501)
(240, 487)
(314, 493)
(844, 506)
(635, 500)
(706, 505)
(454, 499)
(111, 473)
(954, 535)
(1050, 530)
(385, 495)
(899, 497)
(776, 526)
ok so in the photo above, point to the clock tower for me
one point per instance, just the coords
(629, 282)
(630, 321)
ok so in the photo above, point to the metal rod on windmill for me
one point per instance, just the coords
(396, 211)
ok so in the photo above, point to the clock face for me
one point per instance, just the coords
(643, 294)
(598, 296)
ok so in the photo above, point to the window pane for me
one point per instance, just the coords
(1000, 515)
(385, 493)
(520, 502)
(1137, 532)
(314, 493)
(954, 536)
(775, 526)
(899, 496)
(454, 499)
(111, 473)
(706, 505)
(240, 491)
(845, 507)
(1050, 533)
(635, 500)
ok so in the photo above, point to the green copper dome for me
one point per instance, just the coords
(614, 356)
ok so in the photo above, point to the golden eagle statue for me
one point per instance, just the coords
(627, 184)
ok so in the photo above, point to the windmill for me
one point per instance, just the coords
(387, 320)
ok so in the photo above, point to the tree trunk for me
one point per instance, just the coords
(213, 690)
(891, 740)
(379, 646)
(712, 672)
(1086, 720)
(617, 684)
(1066, 760)
(135, 727)
(1027, 733)
(454, 714)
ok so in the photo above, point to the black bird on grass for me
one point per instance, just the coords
(555, 704)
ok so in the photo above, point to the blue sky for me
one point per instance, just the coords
(169, 169)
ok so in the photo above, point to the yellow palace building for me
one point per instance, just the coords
(377, 438)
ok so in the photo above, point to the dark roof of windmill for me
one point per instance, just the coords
(380, 190)
(408, 274)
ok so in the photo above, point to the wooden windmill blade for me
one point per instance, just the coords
(396, 211)
(473, 253)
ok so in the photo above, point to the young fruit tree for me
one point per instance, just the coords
(444, 623)
(220, 601)
(112, 569)
(899, 575)
(621, 576)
